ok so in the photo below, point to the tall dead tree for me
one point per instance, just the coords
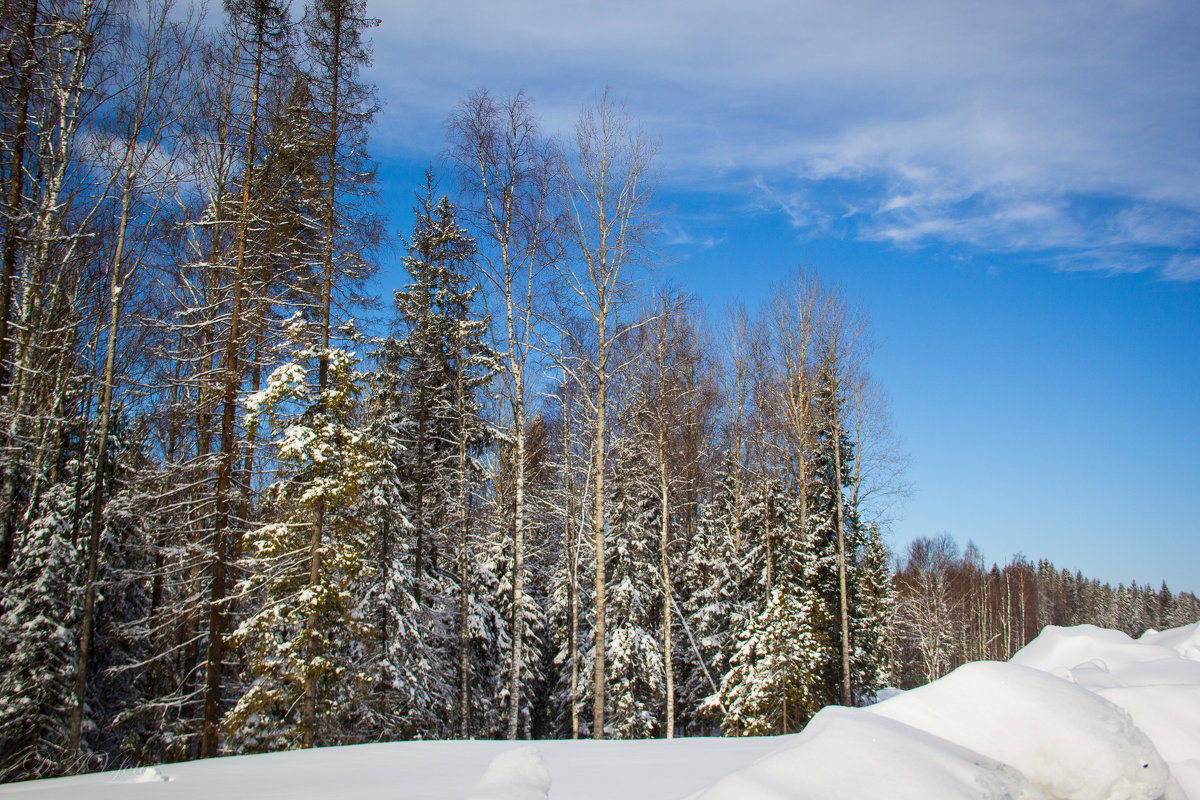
(344, 107)
(259, 28)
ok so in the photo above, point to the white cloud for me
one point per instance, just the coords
(1183, 268)
(1023, 126)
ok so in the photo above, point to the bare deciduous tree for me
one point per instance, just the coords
(606, 186)
(504, 166)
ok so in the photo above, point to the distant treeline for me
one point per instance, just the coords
(952, 608)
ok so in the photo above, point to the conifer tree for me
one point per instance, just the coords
(410, 689)
(306, 639)
(835, 534)
(776, 678)
(38, 647)
(429, 312)
(123, 642)
(635, 663)
(713, 603)
(874, 632)
(438, 364)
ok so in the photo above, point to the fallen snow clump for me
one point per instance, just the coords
(519, 774)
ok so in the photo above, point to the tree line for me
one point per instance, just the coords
(952, 608)
(245, 507)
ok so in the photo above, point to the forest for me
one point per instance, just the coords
(245, 506)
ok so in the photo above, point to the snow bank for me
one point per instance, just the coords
(1170, 716)
(519, 774)
(1070, 743)
(1096, 658)
(1184, 640)
(847, 753)
(1156, 679)
(1079, 714)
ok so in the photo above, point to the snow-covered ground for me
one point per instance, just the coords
(1081, 713)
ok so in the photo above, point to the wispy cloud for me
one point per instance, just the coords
(1183, 268)
(1024, 126)
(678, 237)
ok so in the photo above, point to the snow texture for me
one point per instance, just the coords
(1155, 679)
(1079, 713)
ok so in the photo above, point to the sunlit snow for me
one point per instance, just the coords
(1079, 714)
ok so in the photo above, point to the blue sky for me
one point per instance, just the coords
(1012, 190)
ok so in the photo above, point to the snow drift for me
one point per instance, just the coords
(1079, 714)
(1070, 743)
(846, 753)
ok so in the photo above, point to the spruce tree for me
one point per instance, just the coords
(635, 665)
(832, 520)
(436, 366)
(38, 646)
(307, 636)
(410, 689)
(776, 678)
(712, 601)
(874, 630)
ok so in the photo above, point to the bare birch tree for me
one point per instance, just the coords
(503, 165)
(606, 186)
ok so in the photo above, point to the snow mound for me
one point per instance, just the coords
(1097, 658)
(1156, 679)
(1123, 725)
(519, 774)
(1169, 715)
(1069, 742)
(846, 753)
